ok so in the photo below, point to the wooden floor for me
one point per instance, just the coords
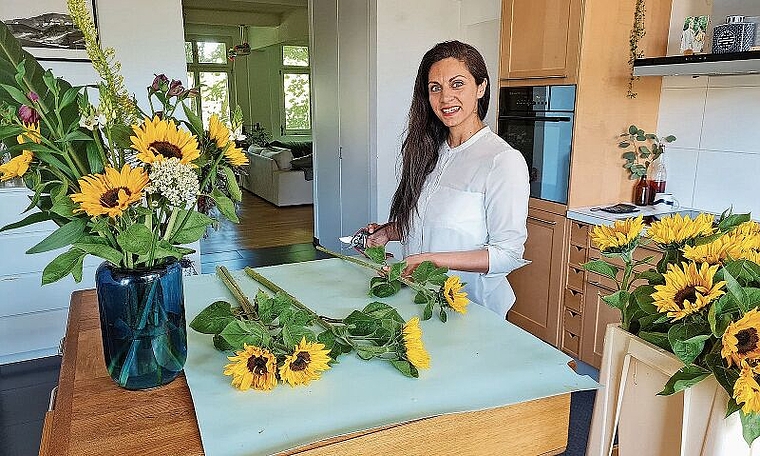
(266, 235)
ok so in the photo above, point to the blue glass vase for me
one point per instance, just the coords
(142, 321)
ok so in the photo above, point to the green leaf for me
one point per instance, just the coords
(427, 313)
(63, 236)
(669, 138)
(629, 155)
(688, 340)
(376, 254)
(137, 238)
(643, 297)
(367, 352)
(232, 185)
(732, 221)
(120, 135)
(64, 207)
(214, 318)
(633, 129)
(225, 205)
(16, 94)
(380, 311)
(420, 298)
(736, 291)
(732, 407)
(395, 272)
(685, 377)
(194, 228)
(221, 344)
(195, 122)
(423, 271)
(652, 276)
(750, 426)
(360, 324)
(656, 338)
(333, 343)
(30, 219)
(380, 287)
(602, 267)
(726, 377)
(292, 335)
(405, 367)
(618, 299)
(238, 332)
(442, 315)
(103, 251)
(69, 96)
(93, 158)
(61, 266)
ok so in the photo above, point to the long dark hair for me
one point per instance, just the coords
(425, 133)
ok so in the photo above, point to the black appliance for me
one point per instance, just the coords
(538, 121)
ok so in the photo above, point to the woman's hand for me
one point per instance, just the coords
(412, 261)
(378, 235)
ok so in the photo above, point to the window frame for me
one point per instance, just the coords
(196, 68)
(294, 69)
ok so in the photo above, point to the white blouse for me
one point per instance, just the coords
(475, 198)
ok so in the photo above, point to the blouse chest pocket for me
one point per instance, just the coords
(457, 209)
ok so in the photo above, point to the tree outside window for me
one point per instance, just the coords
(209, 69)
(296, 89)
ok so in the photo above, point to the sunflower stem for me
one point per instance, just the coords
(276, 288)
(250, 308)
(374, 266)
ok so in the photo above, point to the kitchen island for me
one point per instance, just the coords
(491, 388)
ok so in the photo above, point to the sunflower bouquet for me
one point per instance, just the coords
(700, 301)
(277, 339)
(120, 183)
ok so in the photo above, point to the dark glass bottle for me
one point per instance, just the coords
(641, 192)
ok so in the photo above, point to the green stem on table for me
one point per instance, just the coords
(276, 288)
(226, 278)
(374, 266)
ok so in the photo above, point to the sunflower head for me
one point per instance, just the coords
(619, 237)
(159, 139)
(252, 367)
(719, 251)
(747, 389)
(455, 297)
(741, 340)
(218, 132)
(17, 166)
(235, 156)
(677, 229)
(687, 290)
(110, 193)
(305, 364)
(415, 350)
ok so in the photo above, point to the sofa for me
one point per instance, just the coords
(271, 176)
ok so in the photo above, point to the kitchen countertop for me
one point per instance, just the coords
(597, 217)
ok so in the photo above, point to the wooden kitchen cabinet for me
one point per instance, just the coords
(540, 41)
(539, 285)
(597, 314)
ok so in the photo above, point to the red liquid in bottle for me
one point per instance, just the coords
(655, 186)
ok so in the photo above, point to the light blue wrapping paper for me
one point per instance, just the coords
(478, 361)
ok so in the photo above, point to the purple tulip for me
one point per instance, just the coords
(175, 88)
(159, 82)
(28, 115)
(189, 93)
(33, 96)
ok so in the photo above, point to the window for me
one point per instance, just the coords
(209, 69)
(296, 91)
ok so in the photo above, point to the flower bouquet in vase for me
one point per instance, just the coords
(121, 184)
(699, 303)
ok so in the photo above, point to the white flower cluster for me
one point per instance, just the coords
(173, 180)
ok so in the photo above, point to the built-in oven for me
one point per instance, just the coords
(538, 121)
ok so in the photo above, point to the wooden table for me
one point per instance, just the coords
(92, 415)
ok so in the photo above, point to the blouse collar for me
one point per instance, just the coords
(471, 140)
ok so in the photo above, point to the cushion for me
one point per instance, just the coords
(281, 156)
(254, 149)
(299, 148)
(304, 162)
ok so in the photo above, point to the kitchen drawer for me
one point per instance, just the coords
(571, 343)
(601, 281)
(578, 233)
(572, 321)
(575, 277)
(23, 293)
(574, 300)
(577, 254)
(15, 245)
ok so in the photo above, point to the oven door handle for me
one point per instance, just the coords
(537, 118)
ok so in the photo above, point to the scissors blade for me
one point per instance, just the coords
(346, 239)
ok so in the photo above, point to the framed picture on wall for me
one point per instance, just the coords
(46, 30)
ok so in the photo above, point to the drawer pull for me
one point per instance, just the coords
(51, 402)
(536, 219)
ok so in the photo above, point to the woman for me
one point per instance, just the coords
(462, 201)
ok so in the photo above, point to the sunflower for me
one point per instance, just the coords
(742, 339)
(415, 350)
(457, 299)
(32, 134)
(218, 132)
(252, 367)
(308, 360)
(687, 289)
(677, 230)
(235, 155)
(16, 166)
(110, 193)
(619, 237)
(718, 251)
(747, 389)
(158, 139)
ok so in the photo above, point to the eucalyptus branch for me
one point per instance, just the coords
(277, 289)
(225, 276)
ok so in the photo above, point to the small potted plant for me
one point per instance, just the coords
(642, 149)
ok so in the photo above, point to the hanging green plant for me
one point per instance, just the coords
(637, 33)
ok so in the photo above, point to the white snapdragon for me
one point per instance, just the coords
(175, 181)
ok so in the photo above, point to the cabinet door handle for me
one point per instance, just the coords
(536, 219)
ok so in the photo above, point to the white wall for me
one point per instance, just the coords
(716, 159)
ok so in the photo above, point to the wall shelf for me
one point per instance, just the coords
(699, 64)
